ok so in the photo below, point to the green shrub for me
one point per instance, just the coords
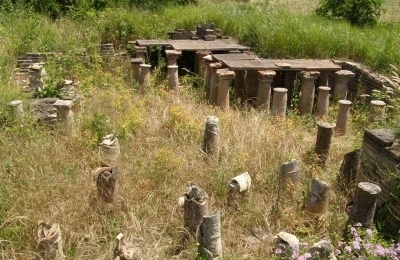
(356, 12)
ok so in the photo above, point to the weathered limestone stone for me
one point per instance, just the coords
(35, 77)
(342, 117)
(65, 115)
(291, 171)
(349, 170)
(307, 91)
(207, 74)
(107, 49)
(342, 77)
(323, 250)
(126, 250)
(110, 149)
(214, 81)
(211, 136)
(363, 210)
(173, 79)
(318, 197)
(144, 78)
(141, 52)
(377, 111)
(324, 139)
(323, 102)
(195, 207)
(18, 110)
(106, 179)
(49, 241)
(210, 236)
(279, 102)
(287, 243)
(136, 68)
(265, 79)
(172, 56)
(225, 76)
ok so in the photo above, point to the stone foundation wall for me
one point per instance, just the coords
(380, 164)
(368, 79)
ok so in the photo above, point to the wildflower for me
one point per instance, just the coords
(358, 224)
(379, 250)
(303, 244)
(305, 256)
(337, 252)
(340, 243)
(368, 246)
(356, 245)
(347, 249)
(278, 251)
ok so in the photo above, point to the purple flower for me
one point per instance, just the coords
(368, 246)
(340, 243)
(356, 245)
(358, 224)
(303, 244)
(278, 251)
(347, 249)
(337, 252)
(379, 250)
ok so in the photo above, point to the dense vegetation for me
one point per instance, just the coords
(46, 175)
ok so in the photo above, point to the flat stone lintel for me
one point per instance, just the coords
(205, 53)
(269, 74)
(137, 60)
(63, 104)
(345, 73)
(310, 74)
(140, 49)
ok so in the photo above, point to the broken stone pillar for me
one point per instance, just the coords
(35, 78)
(240, 79)
(210, 236)
(49, 241)
(324, 139)
(251, 86)
(342, 117)
(376, 111)
(110, 149)
(126, 250)
(141, 52)
(136, 69)
(106, 179)
(214, 81)
(365, 100)
(286, 244)
(265, 79)
(199, 66)
(65, 115)
(318, 197)
(173, 79)
(195, 207)
(364, 206)
(324, 78)
(307, 91)
(288, 83)
(144, 78)
(207, 74)
(18, 110)
(211, 137)
(225, 76)
(323, 102)
(348, 170)
(172, 57)
(238, 186)
(279, 102)
(342, 77)
(290, 171)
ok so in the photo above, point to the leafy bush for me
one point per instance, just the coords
(356, 12)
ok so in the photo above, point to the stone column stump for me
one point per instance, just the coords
(144, 77)
(307, 91)
(110, 149)
(318, 197)
(290, 171)
(342, 78)
(214, 82)
(18, 110)
(324, 139)
(211, 137)
(49, 241)
(172, 57)
(225, 76)
(65, 115)
(210, 236)
(195, 207)
(173, 79)
(106, 179)
(141, 52)
(279, 103)
(323, 102)
(343, 117)
(265, 79)
(199, 66)
(136, 69)
(238, 186)
(376, 111)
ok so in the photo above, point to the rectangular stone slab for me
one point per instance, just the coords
(270, 64)
(187, 45)
(234, 56)
(147, 43)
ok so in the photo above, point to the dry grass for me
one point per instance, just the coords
(48, 176)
